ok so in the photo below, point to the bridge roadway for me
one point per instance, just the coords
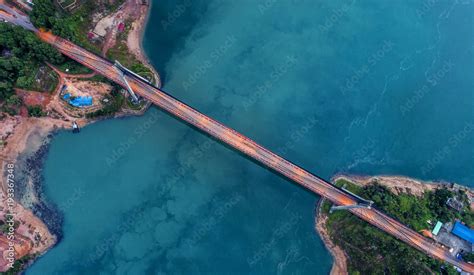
(253, 150)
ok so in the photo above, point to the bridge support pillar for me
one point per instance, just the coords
(362, 204)
(347, 207)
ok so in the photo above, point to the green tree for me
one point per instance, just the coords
(14, 100)
(43, 13)
(23, 52)
(35, 111)
(6, 89)
(437, 203)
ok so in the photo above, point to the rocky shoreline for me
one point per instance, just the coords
(25, 152)
(339, 265)
(396, 184)
(29, 187)
(27, 147)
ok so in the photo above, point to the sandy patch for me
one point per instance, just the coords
(339, 265)
(135, 38)
(32, 235)
(16, 132)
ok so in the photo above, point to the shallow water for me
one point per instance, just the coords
(335, 86)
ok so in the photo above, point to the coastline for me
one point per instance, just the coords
(26, 147)
(402, 184)
(397, 184)
(27, 141)
(135, 41)
(339, 257)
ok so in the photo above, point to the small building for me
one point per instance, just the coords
(121, 27)
(6, 53)
(455, 204)
(91, 35)
(437, 228)
(68, 5)
(463, 232)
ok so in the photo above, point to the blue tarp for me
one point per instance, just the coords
(81, 101)
(463, 232)
(66, 96)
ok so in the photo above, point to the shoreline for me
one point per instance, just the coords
(339, 257)
(135, 42)
(27, 147)
(402, 184)
(29, 189)
(26, 143)
(397, 184)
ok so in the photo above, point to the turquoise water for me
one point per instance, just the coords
(335, 86)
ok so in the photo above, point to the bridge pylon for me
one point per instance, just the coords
(126, 70)
(364, 203)
(346, 207)
(122, 75)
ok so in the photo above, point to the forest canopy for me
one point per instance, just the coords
(19, 51)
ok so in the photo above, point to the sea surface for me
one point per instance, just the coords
(360, 87)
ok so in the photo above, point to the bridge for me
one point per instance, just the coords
(338, 196)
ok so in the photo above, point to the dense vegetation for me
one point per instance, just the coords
(416, 212)
(22, 53)
(72, 67)
(35, 111)
(121, 53)
(116, 101)
(23, 56)
(47, 15)
(21, 50)
(71, 25)
(12, 103)
(75, 26)
(372, 251)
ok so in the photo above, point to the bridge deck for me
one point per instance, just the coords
(253, 150)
